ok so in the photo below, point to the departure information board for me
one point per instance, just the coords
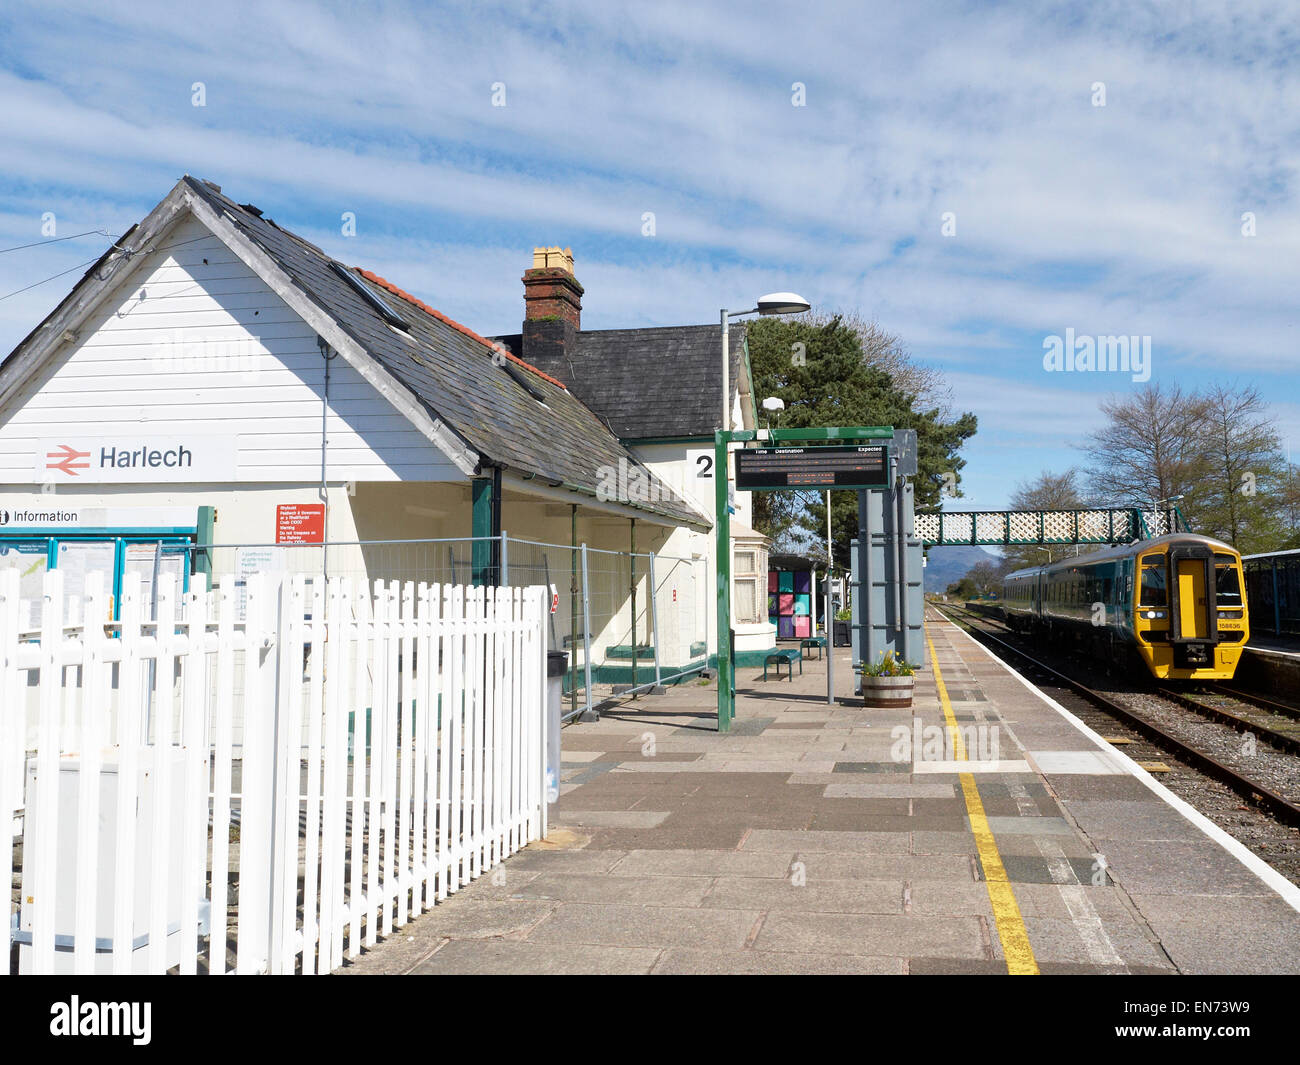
(772, 468)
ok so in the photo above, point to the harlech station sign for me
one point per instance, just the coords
(162, 458)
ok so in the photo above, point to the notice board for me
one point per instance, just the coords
(300, 523)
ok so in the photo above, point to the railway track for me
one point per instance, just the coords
(1285, 738)
(1277, 724)
(1284, 709)
(1277, 804)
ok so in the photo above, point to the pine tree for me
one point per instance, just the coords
(826, 378)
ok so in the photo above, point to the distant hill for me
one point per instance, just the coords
(947, 565)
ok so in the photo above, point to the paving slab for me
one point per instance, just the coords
(841, 933)
(803, 894)
(645, 926)
(592, 887)
(503, 958)
(1218, 934)
(760, 962)
(675, 862)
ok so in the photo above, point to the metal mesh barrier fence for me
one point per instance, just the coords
(627, 621)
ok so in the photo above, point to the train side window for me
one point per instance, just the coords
(1227, 589)
(1153, 582)
(1106, 588)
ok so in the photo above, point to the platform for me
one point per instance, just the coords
(1271, 667)
(834, 839)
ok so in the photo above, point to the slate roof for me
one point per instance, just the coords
(649, 383)
(514, 416)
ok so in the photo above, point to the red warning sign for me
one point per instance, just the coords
(300, 523)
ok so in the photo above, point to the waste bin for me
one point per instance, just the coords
(557, 664)
(841, 629)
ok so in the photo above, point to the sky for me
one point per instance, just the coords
(978, 178)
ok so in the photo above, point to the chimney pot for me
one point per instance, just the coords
(552, 310)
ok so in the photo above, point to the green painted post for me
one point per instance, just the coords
(632, 568)
(573, 614)
(485, 493)
(204, 534)
(722, 546)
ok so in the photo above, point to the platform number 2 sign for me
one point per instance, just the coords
(702, 463)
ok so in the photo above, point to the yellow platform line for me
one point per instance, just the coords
(1006, 912)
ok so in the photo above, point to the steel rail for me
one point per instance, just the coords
(1285, 709)
(1281, 740)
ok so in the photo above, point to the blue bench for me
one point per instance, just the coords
(812, 641)
(787, 655)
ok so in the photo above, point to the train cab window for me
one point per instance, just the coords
(1227, 589)
(1153, 582)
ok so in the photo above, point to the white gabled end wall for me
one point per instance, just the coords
(192, 344)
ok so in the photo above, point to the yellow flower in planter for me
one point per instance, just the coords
(889, 666)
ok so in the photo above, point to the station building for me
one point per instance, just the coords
(215, 379)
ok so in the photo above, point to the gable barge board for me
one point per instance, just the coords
(42, 341)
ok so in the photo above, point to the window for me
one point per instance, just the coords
(1153, 582)
(1227, 588)
(377, 304)
(746, 601)
(749, 596)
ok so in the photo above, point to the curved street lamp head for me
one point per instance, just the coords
(782, 303)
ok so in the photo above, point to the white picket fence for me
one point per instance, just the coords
(375, 750)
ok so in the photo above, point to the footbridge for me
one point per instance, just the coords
(1000, 528)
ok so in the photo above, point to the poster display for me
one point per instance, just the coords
(250, 560)
(141, 559)
(789, 603)
(77, 559)
(31, 560)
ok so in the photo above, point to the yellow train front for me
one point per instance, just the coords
(1174, 602)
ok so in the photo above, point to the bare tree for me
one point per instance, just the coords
(987, 577)
(1051, 491)
(1243, 499)
(1155, 445)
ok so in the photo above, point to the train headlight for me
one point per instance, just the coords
(1152, 615)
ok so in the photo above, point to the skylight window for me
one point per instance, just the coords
(523, 383)
(377, 304)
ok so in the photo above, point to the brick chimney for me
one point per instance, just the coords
(552, 310)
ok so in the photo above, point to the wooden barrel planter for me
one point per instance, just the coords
(887, 693)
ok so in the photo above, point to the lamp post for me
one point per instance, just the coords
(772, 304)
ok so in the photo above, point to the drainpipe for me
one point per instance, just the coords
(324, 447)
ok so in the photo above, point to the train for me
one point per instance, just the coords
(1148, 601)
(1273, 592)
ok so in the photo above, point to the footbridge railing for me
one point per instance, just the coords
(1006, 527)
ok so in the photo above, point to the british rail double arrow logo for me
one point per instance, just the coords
(69, 460)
